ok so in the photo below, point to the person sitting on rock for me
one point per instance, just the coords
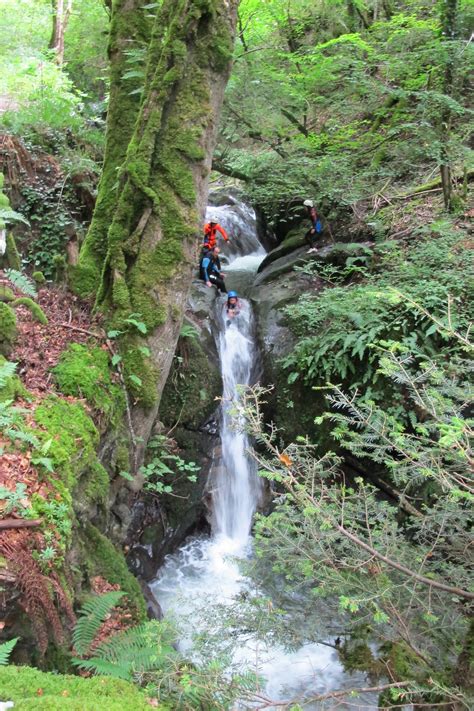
(316, 228)
(210, 233)
(210, 270)
(233, 304)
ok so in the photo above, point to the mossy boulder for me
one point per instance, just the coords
(8, 332)
(6, 294)
(39, 277)
(31, 689)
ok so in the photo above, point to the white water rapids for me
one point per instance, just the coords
(205, 573)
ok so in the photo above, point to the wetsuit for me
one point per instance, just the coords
(233, 309)
(210, 235)
(209, 270)
(311, 236)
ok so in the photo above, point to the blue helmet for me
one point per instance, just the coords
(232, 295)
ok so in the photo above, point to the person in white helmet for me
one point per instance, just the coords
(316, 227)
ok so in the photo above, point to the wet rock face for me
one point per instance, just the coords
(239, 221)
(188, 407)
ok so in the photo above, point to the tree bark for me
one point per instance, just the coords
(130, 30)
(449, 32)
(61, 12)
(151, 244)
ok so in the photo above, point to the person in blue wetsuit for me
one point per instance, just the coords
(210, 270)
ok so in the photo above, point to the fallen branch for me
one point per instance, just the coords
(269, 703)
(80, 330)
(19, 523)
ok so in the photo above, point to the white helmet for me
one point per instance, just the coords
(213, 218)
(308, 203)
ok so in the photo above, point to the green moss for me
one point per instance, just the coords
(6, 294)
(32, 689)
(60, 268)
(96, 484)
(34, 308)
(13, 387)
(73, 435)
(39, 277)
(7, 329)
(85, 372)
(102, 558)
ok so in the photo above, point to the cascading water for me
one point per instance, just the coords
(236, 490)
(204, 574)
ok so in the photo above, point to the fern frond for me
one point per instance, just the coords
(8, 215)
(146, 647)
(6, 372)
(22, 282)
(92, 615)
(6, 649)
(101, 667)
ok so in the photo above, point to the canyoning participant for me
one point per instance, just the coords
(316, 226)
(210, 270)
(210, 233)
(233, 305)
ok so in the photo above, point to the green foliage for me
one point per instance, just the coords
(46, 205)
(343, 327)
(166, 468)
(5, 650)
(371, 560)
(344, 99)
(91, 617)
(22, 282)
(13, 500)
(7, 215)
(144, 648)
(7, 371)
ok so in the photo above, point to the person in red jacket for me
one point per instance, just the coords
(210, 233)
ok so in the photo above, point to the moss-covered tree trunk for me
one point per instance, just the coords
(130, 30)
(147, 260)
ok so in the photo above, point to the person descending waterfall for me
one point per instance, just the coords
(210, 233)
(316, 227)
(233, 306)
(210, 270)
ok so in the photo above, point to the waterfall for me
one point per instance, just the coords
(204, 575)
(236, 487)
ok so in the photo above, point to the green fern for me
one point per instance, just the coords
(7, 370)
(92, 615)
(7, 215)
(146, 647)
(5, 650)
(22, 282)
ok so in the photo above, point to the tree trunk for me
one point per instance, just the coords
(61, 12)
(151, 245)
(130, 30)
(449, 33)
